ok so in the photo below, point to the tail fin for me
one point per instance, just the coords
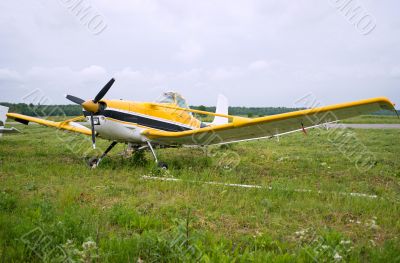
(222, 108)
(3, 115)
(3, 118)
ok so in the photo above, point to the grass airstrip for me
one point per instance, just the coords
(305, 207)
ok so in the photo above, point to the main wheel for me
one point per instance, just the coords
(93, 162)
(162, 165)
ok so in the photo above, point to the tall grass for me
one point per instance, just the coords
(53, 208)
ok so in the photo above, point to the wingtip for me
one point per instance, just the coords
(397, 113)
(387, 100)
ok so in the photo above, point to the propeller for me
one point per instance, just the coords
(92, 106)
(75, 99)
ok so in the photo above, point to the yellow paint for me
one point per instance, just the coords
(90, 106)
(169, 113)
(240, 121)
(59, 125)
(169, 106)
(173, 113)
(384, 103)
(73, 119)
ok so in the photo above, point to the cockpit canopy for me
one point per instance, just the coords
(174, 98)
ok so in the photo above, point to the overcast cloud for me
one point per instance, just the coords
(256, 52)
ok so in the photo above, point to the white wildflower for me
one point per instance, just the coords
(345, 242)
(89, 245)
(325, 247)
(372, 242)
(337, 257)
(372, 224)
(301, 232)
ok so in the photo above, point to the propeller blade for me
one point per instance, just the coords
(75, 99)
(103, 91)
(93, 131)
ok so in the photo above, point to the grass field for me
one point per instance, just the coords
(52, 207)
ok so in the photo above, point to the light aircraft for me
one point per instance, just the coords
(169, 122)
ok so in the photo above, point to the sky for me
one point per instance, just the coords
(255, 52)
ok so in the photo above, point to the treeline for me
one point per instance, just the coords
(76, 110)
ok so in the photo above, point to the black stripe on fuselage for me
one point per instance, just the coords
(140, 120)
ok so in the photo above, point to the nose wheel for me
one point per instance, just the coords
(94, 162)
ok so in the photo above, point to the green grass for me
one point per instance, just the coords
(52, 206)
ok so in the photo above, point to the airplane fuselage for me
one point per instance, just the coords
(124, 121)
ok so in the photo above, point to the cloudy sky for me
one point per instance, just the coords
(256, 52)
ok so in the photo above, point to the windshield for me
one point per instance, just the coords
(167, 97)
(173, 97)
(181, 101)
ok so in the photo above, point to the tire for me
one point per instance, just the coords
(93, 163)
(163, 166)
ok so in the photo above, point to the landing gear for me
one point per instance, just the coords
(161, 165)
(94, 162)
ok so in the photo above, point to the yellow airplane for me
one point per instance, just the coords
(169, 122)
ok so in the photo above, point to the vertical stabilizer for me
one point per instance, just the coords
(222, 108)
(3, 117)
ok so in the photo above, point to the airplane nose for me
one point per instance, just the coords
(91, 106)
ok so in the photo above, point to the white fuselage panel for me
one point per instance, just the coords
(117, 131)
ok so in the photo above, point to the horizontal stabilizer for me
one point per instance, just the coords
(8, 130)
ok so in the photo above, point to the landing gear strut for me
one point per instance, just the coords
(94, 162)
(162, 165)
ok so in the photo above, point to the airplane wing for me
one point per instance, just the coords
(243, 129)
(68, 125)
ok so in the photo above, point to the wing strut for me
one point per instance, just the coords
(303, 129)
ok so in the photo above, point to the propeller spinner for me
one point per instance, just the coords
(92, 106)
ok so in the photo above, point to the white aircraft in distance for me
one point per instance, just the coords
(3, 117)
(169, 122)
